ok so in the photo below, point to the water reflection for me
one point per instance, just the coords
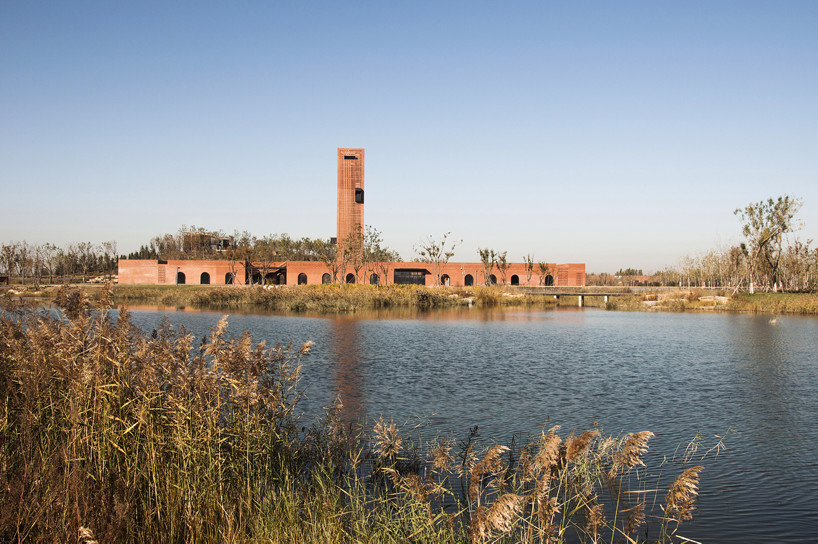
(346, 368)
(509, 370)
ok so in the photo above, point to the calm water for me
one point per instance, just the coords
(513, 372)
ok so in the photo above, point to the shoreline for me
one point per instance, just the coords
(335, 298)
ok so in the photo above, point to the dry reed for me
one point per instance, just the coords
(111, 435)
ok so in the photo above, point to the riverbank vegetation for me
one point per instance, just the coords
(715, 300)
(108, 434)
(325, 298)
(771, 257)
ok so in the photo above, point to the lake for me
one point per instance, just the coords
(513, 372)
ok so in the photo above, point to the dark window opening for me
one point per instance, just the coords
(492, 280)
(549, 280)
(444, 280)
(515, 280)
(469, 280)
(180, 278)
(205, 278)
(350, 278)
(256, 279)
(373, 279)
(350, 158)
(410, 277)
(228, 279)
(359, 196)
(302, 279)
(325, 279)
(162, 261)
(280, 277)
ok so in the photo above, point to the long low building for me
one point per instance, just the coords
(350, 233)
(225, 272)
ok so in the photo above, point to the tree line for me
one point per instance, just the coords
(771, 256)
(36, 263)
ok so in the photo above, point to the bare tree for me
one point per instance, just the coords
(489, 258)
(436, 253)
(37, 264)
(354, 253)
(264, 252)
(7, 258)
(109, 249)
(329, 254)
(543, 270)
(87, 257)
(50, 256)
(237, 256)
(383, 264)
(529, 267)
(764, 224)
(377, 256)
(22, 259)
(502, 265)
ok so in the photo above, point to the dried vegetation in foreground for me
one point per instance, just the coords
(111, 435)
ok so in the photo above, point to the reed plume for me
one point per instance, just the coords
(595, 516)
(634, 517)
(633, 447)
(490, 465)
(440, 454)
(499, 517)
(681, 495)
(577, 445)
(388, 440)
(110, 434)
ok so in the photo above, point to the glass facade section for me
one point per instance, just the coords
(410, 277)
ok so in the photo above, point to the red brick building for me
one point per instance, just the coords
(350, 217)
(350, 213)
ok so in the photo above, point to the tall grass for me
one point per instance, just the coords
(301, 298)
(719, 300)
(778, 303)
(111, 435)
(325, 298)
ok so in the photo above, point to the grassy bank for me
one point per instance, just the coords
(775, 303)
(715, 300)
(108, 434)
(322, 298)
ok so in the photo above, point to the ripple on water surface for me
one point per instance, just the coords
(513, 372)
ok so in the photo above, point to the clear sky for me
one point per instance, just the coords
(618, 134)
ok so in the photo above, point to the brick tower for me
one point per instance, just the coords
(350, 194)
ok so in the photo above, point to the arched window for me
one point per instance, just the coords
(205, 278)
(180, 278)
(302, 279)
(549, 280)
(228, 278)
(469, 280)
(350, 278)
(325, 279)
(492, 280)
(515, 279)
(444, 280)
(373, 279)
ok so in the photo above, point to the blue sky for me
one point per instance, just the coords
(618, 134)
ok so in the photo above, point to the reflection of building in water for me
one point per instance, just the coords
(349, 381)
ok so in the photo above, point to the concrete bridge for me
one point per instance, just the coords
(578, 292)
